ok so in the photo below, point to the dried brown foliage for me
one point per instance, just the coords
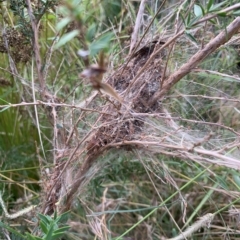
(128, 125)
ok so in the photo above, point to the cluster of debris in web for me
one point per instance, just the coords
(120, 125)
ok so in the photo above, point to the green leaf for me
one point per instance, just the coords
(76, 2)
(198, 10)
(188, 18)
(222, 182)
(64, 22)
(236, 179)
(193, 21)
(222, 14)
(45, 218)
(31, 237)
(183, 19)
(5, 108)
(62, 217)
(57, 236)
(216, 7)
(202, 8)
(62, 229)
(43, 227)
(101, 43)
(64, 11)
(50, 16)
(55, 215)
(66, 38)
(59, 232)
(213, 21)
(236, 13)
(190, 36)
(49, 234)
(4, 101)
(91, 32)
(209, 5)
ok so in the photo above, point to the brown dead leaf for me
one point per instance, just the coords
(110, 91)
(95, 73)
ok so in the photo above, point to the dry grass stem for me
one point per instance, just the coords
(204, 221)
(137, 25)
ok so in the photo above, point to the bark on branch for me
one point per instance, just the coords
(215, 43)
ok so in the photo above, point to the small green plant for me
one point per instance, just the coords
(50, 227)
(203, 13)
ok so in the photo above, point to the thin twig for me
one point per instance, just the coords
(144, 34)
(148, 145)
(38, 102)
(36, 47)
(137, 25)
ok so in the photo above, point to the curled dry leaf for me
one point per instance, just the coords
(95, 74)
(109, 90)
